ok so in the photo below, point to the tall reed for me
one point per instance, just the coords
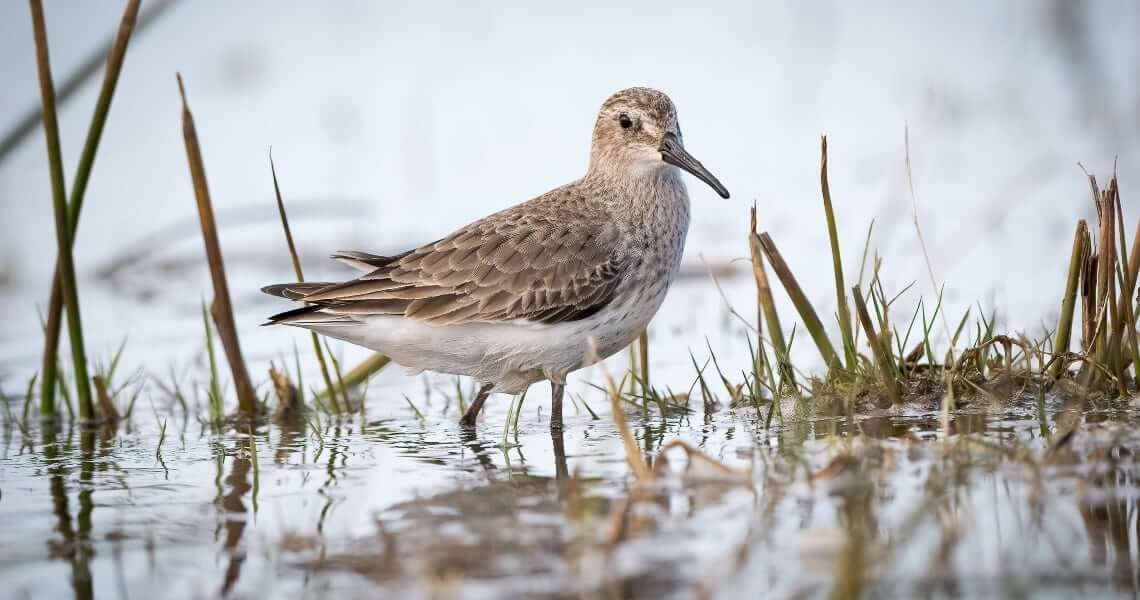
(300, 274)
(115, 60)
(221, 308)
(1069, 298)
(68, 290)
(836, 262)
(768, 310)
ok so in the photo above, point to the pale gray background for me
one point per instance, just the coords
(394, 122)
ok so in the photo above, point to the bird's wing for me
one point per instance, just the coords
(557, 264)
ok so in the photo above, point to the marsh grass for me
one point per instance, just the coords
(300, 275)
(888, 371)
(415, 409)
(214, 391)
(114, 66)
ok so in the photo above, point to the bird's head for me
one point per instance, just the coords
(637, 130)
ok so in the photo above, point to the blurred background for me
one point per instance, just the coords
(392, 123)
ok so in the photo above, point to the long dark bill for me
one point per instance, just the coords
(675, 154)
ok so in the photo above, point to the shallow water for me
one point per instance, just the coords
(389, 503)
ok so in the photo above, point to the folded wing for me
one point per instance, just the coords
(558, 264)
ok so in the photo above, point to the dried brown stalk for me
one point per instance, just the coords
(221, 308)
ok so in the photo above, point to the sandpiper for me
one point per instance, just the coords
(537, 290)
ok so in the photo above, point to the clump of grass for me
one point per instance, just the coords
(221, 308)
(1102, 276)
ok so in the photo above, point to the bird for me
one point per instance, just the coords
(537, 290)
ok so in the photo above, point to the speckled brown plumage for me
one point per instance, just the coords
(555, 258)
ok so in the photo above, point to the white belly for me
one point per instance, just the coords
(512, 354)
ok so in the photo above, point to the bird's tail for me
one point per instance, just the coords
(293, 291)
(304, 316)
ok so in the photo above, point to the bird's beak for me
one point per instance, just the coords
(675, 154)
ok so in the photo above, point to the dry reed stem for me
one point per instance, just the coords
(69, 290)
(300, 274)
(220, 308)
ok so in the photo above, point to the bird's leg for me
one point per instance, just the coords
(556, 392)
(472, 413)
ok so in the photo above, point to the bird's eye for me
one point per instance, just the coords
(625, 121)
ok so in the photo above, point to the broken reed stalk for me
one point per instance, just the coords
(68, 290)
(845, 329)
(79, 188)
(220, 308)
(802, 304)
(1069, 299)
(768, 308)
(299, 273)
(880, 352)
